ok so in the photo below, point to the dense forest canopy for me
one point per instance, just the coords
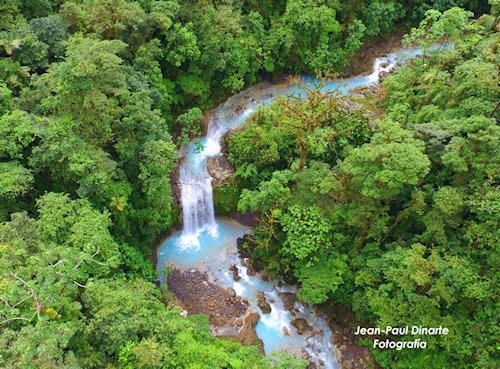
(389, 205)
(395, 214)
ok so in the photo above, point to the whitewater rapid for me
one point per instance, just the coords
(209, 244)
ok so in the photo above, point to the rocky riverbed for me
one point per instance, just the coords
(231, 317)
(228, 314)
(199, 295)
(349, 353)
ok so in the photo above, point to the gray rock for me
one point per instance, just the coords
(234, 270)
(220, 169)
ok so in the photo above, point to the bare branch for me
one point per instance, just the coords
(77, 265)
(98, 262)
(20, 279)
(90, 259)
(97, 251)
(39, 305)
(5, 301)
(20, 302)
(16, 318)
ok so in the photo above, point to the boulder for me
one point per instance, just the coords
(301, 325)
(234, 270)
(250, 269)
(247, 335)
(220, 169)
(262, 303)
(288, 299)
(266, 276)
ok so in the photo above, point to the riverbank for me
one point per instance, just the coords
(229, 316)
(243, 305)
(362, 61)
(346, 348)
(197, 293)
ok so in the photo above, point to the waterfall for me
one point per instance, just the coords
(196, 187)
(196, 182)
(197, 206)
(210, 245)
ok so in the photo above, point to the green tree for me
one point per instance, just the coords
(8, 14)
(190, 122)
(147, 61)
(24, 47)
(108, 19)
(34, 8)
(49, 259)
(309, 248)
(312, 120)
(308, 37)
(448, 27)
(52, 31)
(85, 86)
(17, 132)
(380, 17)
(5, 98)
(16, 180)
(308, 234)
(430, 290)
(158, 161)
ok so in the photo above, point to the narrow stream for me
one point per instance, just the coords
(208, 244)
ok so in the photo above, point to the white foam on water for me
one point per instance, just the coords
(202, 241)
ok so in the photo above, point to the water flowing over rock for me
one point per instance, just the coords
(250, 270)
(234, 270)
(204, 241)
(197, 206)
(196, 187)
(302, 326)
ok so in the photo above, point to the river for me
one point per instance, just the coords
(208, 244)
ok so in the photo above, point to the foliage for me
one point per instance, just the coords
(226, 198)
(15, 180)
(190, 123)
(158, 160)
(380, 17)
(395, 217)
(109, 19)
(304, 23)
(52, 31)
(17, 132)
(398, 218)
(55, 278)
(307, 234)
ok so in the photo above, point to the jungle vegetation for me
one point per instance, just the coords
(389, 205)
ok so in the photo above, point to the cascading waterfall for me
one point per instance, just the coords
(196, 188)
(197, 206)
(203, 241)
